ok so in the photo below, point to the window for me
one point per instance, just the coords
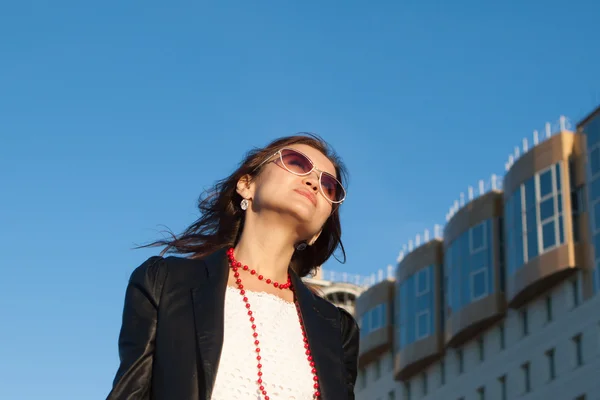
(526, 378)
(502, 383)
(533, 217)
(468, 266)
(442, 372)
(481, 348)
(377, 367)
(424, 382)
(578, 355)
(481, 393)
(416, 307)
(524, 322)
(549, 308)
(407, 391)
(477, 239)
(460, 361)
(373, 319)
(478, 284)
(551, 366)
(575, 292)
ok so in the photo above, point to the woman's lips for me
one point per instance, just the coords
(308, 195)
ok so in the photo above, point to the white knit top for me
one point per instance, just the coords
(286, 371)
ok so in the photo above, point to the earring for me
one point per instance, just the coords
(301, 246)
(244, 204)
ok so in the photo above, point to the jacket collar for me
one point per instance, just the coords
(321, 322)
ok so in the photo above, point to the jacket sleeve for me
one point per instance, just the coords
(350, 342)
(138, 331)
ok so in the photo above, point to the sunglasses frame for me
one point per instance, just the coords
(314, 168)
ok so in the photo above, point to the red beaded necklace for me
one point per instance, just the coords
(235, 265)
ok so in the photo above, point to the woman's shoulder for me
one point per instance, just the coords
(155, 269)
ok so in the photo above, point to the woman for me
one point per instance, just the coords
(233, 320)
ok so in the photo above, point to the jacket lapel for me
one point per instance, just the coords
(322, 324)
(209, 303)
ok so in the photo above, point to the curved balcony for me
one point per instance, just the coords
(474, 269)
(539, 217)
(418, 322)
(374, 311)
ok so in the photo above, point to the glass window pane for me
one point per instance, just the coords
(595, 190)
(561, 230)
(547, 209)
(519, 256)
(532, 244)
(596, 216)
(529, 193)
(422, 281)
(557, 176)
(545, 183)
(423, 325)
(376, 318)
(548, 235)
(479, 286)
(477, 236)
(422, 302)
(559, 203)
(595, 161)
(531, 220)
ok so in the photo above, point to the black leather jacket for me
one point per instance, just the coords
(172, 332)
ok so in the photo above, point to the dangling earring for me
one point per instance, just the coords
(301, 246)
(244, 204)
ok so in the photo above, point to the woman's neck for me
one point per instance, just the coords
(266, 248)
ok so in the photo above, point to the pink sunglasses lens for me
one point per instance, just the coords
(296, 162)
(332, 188)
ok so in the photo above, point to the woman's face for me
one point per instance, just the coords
(296, 198)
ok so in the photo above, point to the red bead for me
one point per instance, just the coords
(268, 281)
(247, 305)
(253, 272)
(276, 284)
(245, 268)
(260, 277)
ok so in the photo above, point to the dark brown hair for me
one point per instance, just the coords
(222, 219)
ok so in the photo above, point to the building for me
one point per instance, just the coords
(341, 289)
(505, 304)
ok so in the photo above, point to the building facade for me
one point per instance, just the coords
(505, 305)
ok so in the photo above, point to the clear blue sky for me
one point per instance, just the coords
(114, 117)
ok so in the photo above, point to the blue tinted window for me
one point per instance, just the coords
(549, 235)
(538, 225)
(546, 183)
(470, 274)
(479, 283)
(595, 161)
(417, 307)
(592, 131)
(547, 209)
(373, 319)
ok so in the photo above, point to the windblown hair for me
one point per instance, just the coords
(222, 219)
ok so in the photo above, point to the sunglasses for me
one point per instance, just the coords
(299, 164)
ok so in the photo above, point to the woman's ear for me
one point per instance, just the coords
(245, 187)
